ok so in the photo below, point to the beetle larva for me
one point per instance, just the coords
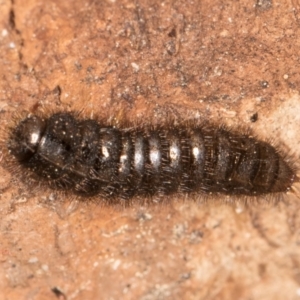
(88, 158)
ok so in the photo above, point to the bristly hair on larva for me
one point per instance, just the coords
(94, 159)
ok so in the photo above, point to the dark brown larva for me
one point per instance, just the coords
(88, 158)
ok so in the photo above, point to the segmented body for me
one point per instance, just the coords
(89, 158)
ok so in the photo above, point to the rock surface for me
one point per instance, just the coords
(234, 63)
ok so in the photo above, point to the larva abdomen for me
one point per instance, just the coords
(85, 157)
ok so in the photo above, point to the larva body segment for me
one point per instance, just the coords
(88, 158)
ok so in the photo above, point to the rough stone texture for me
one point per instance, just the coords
(151, 60)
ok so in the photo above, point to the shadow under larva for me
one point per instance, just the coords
(89, 158)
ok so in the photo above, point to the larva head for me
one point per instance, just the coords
(25, 137)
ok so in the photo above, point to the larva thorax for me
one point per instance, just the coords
(88, 158)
